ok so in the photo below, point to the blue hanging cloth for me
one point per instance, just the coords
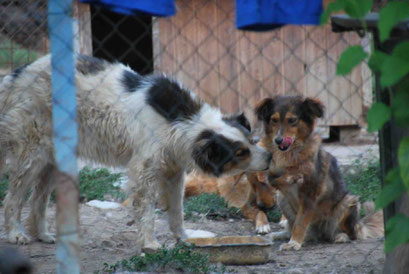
(137, 7)
(260, 15)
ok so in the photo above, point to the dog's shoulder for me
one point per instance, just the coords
(327, 181)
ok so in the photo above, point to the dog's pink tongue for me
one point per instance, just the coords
(286, 142)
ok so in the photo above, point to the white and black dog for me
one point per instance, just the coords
(149, 124)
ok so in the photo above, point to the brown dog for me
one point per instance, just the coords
(313, 195)
(243, 192)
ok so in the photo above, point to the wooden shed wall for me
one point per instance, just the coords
(234, 69)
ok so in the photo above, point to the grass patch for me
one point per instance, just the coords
(273, 214)
(95, 184)
(99, 184)
(211, 206)
(181, 258)
(4, 183)
(364, 179)
(11, 53)
(215, 207)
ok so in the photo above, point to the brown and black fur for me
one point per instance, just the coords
(313, 195)
(247, 193)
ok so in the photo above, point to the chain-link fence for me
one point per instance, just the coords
(228, 68)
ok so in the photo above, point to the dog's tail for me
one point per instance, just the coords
(371, 225)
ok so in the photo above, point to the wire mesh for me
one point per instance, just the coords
(229, 69)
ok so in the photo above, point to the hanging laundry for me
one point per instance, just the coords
(260, 15)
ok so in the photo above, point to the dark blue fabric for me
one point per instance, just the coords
(270, 14)
(136, 7)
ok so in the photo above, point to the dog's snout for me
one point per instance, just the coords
(261, 159)
(278, 140)
(261, 205)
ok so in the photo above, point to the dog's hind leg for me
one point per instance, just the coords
(37, 223)
(347, 214)
(13, 203)
(22, 175)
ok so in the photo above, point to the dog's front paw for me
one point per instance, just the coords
(19, 237)
(262, 176)
(151, 247)
(263, 229)
(47, 238)
(291, 245)
(283, 223)
(262, 226)
(295, 179)
(181, 235)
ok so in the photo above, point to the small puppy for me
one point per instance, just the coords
(313, 195)
(149, 124)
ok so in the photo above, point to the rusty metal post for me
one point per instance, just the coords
(60, 25)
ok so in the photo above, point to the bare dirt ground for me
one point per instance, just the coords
(106, 237)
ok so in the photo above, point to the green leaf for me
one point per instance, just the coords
(376, 60)
(358, 8)
(395, 66)
(391, 191)
(378, 115)
(332, 7)
(390, 15)
(403, 159)
(400, 105)
(350, 58)
(397, 232)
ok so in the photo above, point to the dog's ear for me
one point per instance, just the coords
(265, 109)
(207, 156)
(238, 119)
(242, 120)
(313, 106)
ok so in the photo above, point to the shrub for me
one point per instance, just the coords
(98, 184)
(364, 179)
(210, 205)
(4, 182)
(182, 258)
(273, 214)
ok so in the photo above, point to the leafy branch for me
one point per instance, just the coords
(394, 72)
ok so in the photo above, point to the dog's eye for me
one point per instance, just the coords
(275, 120)
(242, 152)
(292, 120)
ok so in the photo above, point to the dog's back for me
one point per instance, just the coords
(26, 105)
(109, 96)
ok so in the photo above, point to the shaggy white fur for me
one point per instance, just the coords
(151, 125)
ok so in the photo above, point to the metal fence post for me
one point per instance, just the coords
(65, 133)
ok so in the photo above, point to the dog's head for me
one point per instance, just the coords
(289, 120)
(226, 147)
